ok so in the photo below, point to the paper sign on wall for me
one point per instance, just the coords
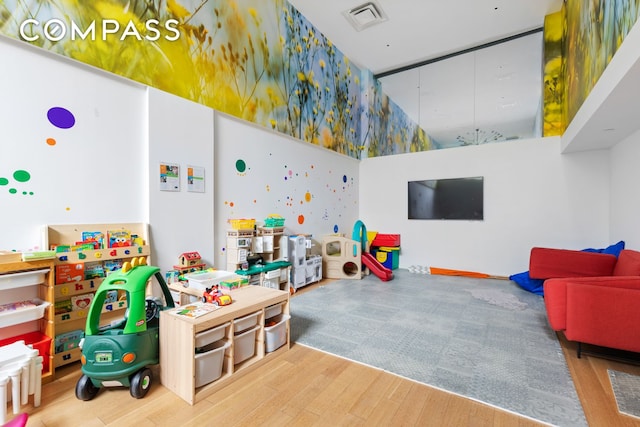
(195, 179)
(169, 177)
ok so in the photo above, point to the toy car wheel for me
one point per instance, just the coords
(140, 383)
(85, 390)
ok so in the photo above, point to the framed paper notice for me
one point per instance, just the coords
(195, 179)
(169, 177)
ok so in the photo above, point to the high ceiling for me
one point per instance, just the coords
(503, 85)
(417, 30)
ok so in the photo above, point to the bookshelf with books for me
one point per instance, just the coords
(84, 255)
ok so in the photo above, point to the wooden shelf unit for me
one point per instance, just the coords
(42, 290)
(68, 234)
(178, 341)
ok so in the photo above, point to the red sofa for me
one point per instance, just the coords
(592, 298)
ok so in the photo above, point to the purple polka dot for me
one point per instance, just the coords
(61, 117)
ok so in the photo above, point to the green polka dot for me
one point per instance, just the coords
(21, 176)
(241, 166)
(13, 191)
(4, 181)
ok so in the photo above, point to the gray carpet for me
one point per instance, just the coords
(626, 388)
(485, 339)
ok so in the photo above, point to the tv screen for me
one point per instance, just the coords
(452, 198)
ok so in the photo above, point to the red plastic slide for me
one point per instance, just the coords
(385, 274)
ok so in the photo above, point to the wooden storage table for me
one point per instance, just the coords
(178, 341)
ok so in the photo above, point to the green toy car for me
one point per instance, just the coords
(120, 353)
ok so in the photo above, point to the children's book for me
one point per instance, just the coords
(75, 248)
(95, 237)
(119, 238)
(93, 270)
(112, 265)
(72, 272)
(81, 302)
(196, 309)
(63, 306)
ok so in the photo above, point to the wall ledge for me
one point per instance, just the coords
(609, 114)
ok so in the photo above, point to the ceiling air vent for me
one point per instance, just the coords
(365, 15)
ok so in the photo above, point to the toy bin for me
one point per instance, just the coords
(242, 324)
(242, 224)
(19, 280)
(38, 341)
(203, 280)
(22, 311)
(275, 335)
(209, 336)
(273, 311)
(274, 221)
(244, 345)
(272, 279)
(209, 361)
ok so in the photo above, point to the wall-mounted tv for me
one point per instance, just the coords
(451, 198)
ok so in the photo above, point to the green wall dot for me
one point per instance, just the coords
(21, 176)
(241, 166)
(4, 181)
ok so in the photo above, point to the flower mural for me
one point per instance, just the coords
(554, 69)
(595, 30)
(320, 89)
(260, 61)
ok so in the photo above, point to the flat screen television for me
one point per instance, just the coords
(451, 198)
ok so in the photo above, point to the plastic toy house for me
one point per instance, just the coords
(188, 262)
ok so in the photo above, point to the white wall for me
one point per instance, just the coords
(534, 196)
(93, 172)
(314, 189)
(625, 202)
(180, 132)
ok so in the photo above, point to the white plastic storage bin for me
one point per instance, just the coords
(241, 324)
(18, 280)
(271, 284)
(211, 335)
(272, 274)
(10, 316)
(273, 310)
(203, 280)
(275, 336)
(209, 362)
(244, 345)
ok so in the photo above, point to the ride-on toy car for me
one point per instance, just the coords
(120, 353)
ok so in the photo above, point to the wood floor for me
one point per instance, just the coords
(306, 387)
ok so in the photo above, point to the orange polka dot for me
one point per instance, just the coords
(51, 141)
(300, 219)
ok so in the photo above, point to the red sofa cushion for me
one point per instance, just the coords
(605, 315)
(547, 263)
(628, 263)
(556, 296)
